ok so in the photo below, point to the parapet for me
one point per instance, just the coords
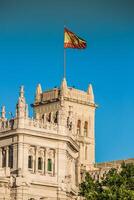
(68, 93)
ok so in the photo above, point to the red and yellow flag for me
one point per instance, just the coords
(71, 40)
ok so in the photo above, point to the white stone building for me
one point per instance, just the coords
(43, 157)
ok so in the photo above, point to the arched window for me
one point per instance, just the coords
(79, 127)
(3, 157)
(48, 117)
(10, 157)
(86, 129)
(49, 165)
(39, 163)
(86, 153)
(76, 174)
(56, 117)
(30, 162)
(43, 117)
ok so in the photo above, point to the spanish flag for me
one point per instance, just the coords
(71, 40)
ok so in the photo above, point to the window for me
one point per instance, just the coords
(3, 157)
(49, 165)
(76, 174)
(30, 162)
(86, 129)
(86, 153)
(79, 127)
(10, 157)
(56, 117)
(49, 117)
(39, 163)
(43, 117)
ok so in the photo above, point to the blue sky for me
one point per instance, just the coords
(31, 52)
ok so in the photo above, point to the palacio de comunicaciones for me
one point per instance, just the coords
(44, 157)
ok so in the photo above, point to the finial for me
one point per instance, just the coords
(38, 89)
(22, 91)
(38, 93)
(21, 104)
(3, 112)
(64, 84)
(63, 87)
(90, 93)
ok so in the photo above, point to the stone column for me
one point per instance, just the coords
(61, 193)
(25, 159)
(46, 158)
(43, 160)
(20, 154)
(55, 163)
(52, 121)
(73, 172)
(36, 159)
(7, 156)
(15, 153)
(0, 157)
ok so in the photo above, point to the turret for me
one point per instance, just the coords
(90, 93)
(21, 107)
(22, 92)
(3, 112)
(63, 87)
(38, 93)
(62, 112)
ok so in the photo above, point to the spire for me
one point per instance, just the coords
(38, 93)
(21, 107)
(3, 112)
(90, 93)
(63, 86)
(22, 91)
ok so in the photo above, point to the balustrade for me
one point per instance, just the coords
(11, 124)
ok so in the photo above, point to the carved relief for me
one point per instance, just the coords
(51, 153)
(41, 152)
(31, 151)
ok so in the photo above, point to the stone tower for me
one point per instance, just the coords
(74, 110)
(43, 157)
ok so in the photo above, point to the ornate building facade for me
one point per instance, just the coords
(43, 157)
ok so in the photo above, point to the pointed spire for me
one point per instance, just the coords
(90, 93)
(3, 112)
(21, 105)
(38, 89)
(38, 93)
(22, 91)
(63, 86)
(64, 83)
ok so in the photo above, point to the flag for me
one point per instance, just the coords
(71, 40)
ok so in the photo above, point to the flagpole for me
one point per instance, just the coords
(64, 63)
(64, 54)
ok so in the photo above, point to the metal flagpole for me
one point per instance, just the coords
(64, 63)
(64, 55)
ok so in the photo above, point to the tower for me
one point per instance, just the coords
(76, 111)
(43, 157)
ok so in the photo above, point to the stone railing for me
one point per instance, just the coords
(29, 123)
(50, 95)
(78, 95)
(69, 93)
(6, 125)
